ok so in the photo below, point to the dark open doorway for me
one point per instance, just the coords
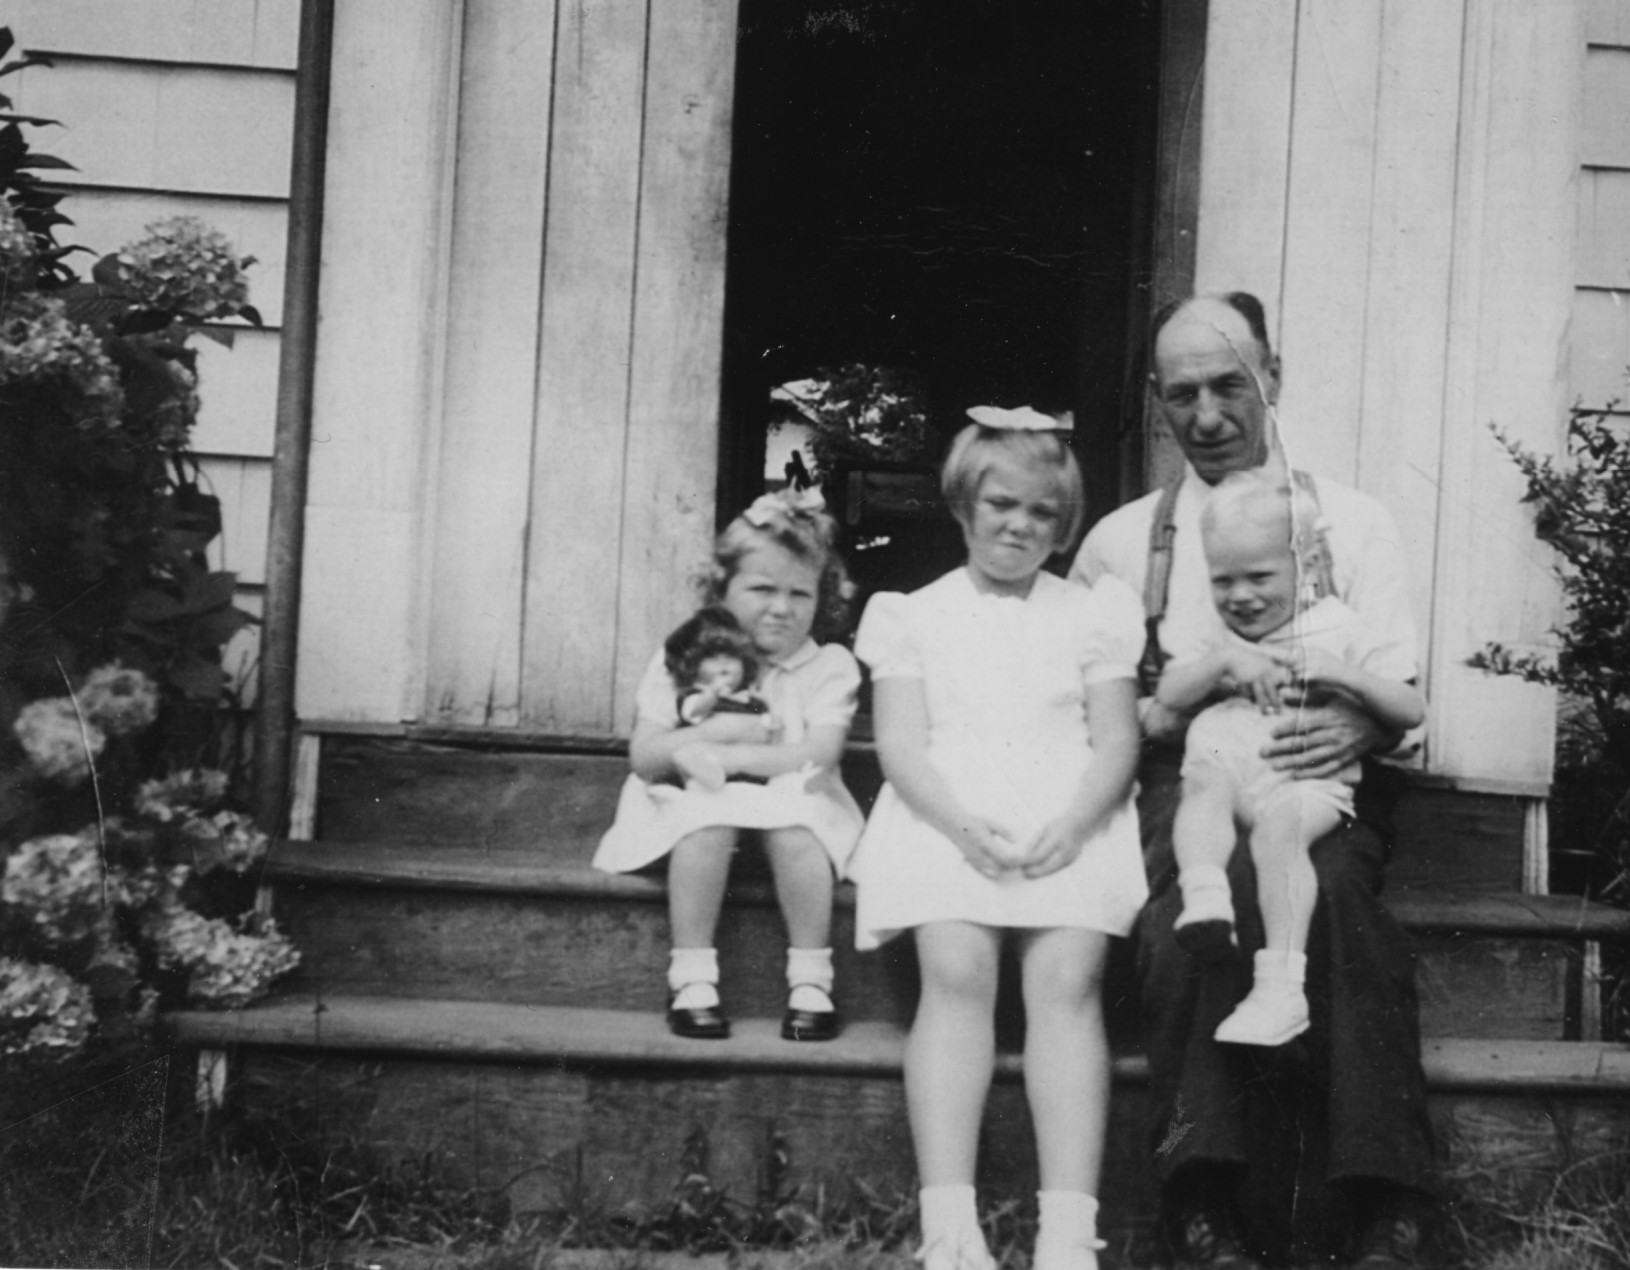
(955, 187)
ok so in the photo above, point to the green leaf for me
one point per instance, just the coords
(224, 336)
(251, 315)
(47, 161)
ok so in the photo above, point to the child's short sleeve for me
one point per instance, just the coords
(656, 700)
(833, 689)
(885, 642)
(1116, 632)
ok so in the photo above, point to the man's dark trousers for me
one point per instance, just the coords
(1344, 1103)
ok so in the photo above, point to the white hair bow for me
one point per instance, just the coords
(784, 502)
(1024, 419)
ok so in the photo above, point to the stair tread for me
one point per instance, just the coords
(529, 872)
(586, 1036)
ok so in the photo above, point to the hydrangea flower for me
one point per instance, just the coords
(228, 839)
(192, 791)
(58, 745)
(40, 345)
(17, 249)
(225, 968)
(56, 882)
(44, 1011)
(183, 266)
(119, 701)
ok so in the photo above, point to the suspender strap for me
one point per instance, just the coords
(1315, 556)
(1156, 582)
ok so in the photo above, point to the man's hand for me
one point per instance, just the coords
(1315, 741)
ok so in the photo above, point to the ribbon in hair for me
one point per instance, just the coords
(1023, 419)
(784, 502)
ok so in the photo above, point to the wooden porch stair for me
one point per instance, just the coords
(471, 987)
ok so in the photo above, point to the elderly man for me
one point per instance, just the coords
(1353, 1085)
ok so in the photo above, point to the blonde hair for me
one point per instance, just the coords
(977, 449)
(806, 535)
(1257, 498)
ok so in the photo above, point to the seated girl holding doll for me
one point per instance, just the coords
(777, 573)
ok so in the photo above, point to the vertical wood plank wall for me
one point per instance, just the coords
(1412, 230)
(171, 108)
(514, 474)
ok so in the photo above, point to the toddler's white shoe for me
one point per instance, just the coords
(1273, 1013)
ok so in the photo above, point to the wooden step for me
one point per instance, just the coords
(557, 798)
(577, 1036)
(495, 923)
(551, 1101)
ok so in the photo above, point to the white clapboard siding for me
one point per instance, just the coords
(145, 126)
(1603, 258)
(1514, 229)
(389, 166)
(583, 370)
(261, 33)
(1328, 228)
(105, 220)
(670, 472)
(1245, 149)
(1600, 347)
(1406, 296)
(244, 487)
(1606, 140)
(495, 283)
(1608, 22)
(237, 389)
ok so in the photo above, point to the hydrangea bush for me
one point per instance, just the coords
(128, 879)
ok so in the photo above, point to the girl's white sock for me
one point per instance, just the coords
(809, 979)
(693, 977)
(1202, 877)
(1067, 1238)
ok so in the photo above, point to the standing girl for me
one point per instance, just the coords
(1006, 723)
(695, 788)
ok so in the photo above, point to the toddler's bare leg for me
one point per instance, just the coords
(1286, 886)
(1203, 838)
(1276, 1009)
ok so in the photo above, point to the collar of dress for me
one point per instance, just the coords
(800, 656)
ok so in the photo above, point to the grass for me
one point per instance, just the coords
(118, 1176)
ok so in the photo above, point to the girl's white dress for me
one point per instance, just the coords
(815, 686)
(1004, 682)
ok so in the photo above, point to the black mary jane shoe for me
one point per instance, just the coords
(809, 1025)
(705, 1024)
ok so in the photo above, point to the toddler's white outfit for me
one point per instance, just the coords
(815, 686)
(1229, 735)
(1004, 680)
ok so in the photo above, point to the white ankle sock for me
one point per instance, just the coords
(809, 979)
(1279, 966)
(693, 976)
(1068, 1232)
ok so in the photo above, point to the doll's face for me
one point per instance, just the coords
(721, 673)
